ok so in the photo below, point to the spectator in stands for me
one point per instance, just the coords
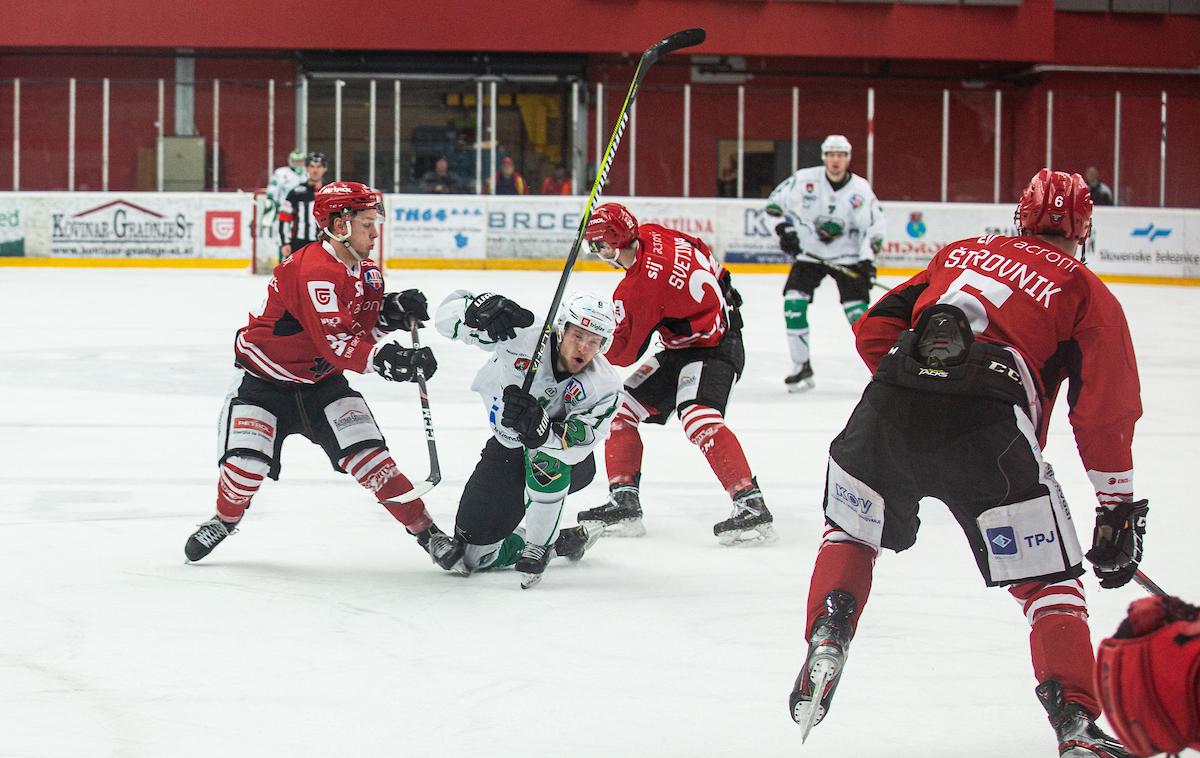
(1101, 194)
(508, 180)
(441, 180)
(557, 183)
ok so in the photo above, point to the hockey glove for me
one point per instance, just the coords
(865, 269)
(789, 241)
(400, 308)
(400, 364)
(497, 315)
(525, 416)
(1117, 542)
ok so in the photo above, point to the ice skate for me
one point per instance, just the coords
(1078, 735)
(827, 649)
(572, 543)
(750, 523)
(620, 516)
(802, 380)
(444, 550)
(532, 564)
(208, 536)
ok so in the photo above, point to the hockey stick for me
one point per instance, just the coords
(837, 267)
(677, 41)
(435, 470)
(1148, 584)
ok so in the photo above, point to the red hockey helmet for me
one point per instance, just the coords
(611, 223)
(1056, 203)
(341, 199)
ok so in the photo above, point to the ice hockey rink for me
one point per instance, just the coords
(321, 629)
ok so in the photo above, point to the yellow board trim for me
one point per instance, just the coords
(489, 264)
(225, 263)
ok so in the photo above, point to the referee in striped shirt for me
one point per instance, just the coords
(296, 222)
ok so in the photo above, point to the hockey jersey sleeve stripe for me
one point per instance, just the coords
(265, 365)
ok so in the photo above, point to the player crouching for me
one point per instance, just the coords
(543, 441)
(325, 313)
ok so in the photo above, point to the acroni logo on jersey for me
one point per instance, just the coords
(1002, 541)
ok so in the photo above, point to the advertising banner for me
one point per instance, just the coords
(436, 226)
(133, 224)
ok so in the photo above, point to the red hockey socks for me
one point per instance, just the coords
(375, 470)
(623, 454)
(845, 566)
(1061, 648)
(240, 478)
(705, 428)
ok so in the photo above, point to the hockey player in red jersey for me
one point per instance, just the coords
(325, 313)
(968, 357)
(674, 286)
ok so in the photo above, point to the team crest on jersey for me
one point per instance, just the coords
(373, 278)
(810, 187)
(521, 364)
(574, 391)
(856, 201)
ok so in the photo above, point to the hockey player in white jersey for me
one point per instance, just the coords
(284, 180)
(542, 440)
(831, 223)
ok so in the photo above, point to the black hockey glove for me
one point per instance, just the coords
(400, 364)
(497, 315)
(525, 416)
(400, 308)
(865, 269)
(1117, 542)
(789, 241)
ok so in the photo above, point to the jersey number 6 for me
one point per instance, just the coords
(970, 301)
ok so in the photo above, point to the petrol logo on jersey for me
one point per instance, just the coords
(574, 391)
(1002, 541)
(373, 278)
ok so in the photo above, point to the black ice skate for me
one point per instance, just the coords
(827, 650)
(1078, 735)
(445, 551)
(532, 564)
(208, 536)
(620, 516)
(750, 523)
(802, 380)
(572, 543)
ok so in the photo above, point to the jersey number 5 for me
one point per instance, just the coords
(970, 301)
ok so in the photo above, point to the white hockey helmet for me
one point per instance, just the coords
(835, 143)
(588, 311)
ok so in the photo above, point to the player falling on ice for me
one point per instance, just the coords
(676, 287)
(968, 357)
(543, 441)
(325, 313)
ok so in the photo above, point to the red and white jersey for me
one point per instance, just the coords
(1059, 319)
(671, 288)
(318, 319)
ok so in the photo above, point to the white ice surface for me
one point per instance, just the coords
(321, 629)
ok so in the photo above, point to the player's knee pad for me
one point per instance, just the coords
(1041, 599)
(854, 309)
(629, 415)
(700, 423)
(248, 431)
(795, 309)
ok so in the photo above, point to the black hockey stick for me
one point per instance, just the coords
(435, 470)
(677, 41)
(1148, 584)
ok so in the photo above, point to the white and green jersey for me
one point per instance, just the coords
(850, 216)
(580, 406)
(284, 180)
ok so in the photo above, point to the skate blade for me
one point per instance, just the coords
(459, 568)
(808, 713)
(594, 532)
(529, 580)
(804, 385)
(756, 537)
(622, 529)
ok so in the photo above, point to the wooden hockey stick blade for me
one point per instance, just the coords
(677, 41)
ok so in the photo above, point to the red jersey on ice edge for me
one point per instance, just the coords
(318, 319)
(1059, 317)
(673, 288)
